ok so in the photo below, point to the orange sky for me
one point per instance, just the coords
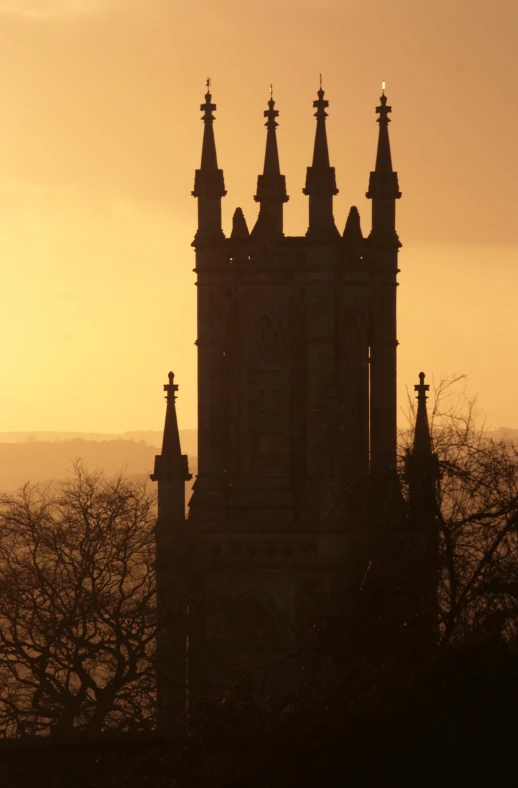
(100, 134)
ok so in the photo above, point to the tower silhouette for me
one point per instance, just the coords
(296, 404)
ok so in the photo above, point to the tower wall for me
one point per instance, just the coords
(296, 341)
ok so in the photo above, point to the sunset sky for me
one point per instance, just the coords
(100, 135)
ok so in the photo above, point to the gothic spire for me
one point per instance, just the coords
(209, 159)
(422, 466)
(383, 155)
(271, 156)
(320, 178)
(209, 184)
(320, 151)
(171, 467)
(171, 438)
(271, 185)
(422, 441)
(383, 182)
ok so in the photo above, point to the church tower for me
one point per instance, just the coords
(296, 404)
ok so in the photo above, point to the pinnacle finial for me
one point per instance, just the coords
(271, 113)
(208, 107)
(171, 387)
(320, 104)
(422, 388)
(383, 110)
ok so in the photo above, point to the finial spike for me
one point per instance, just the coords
(320, 75)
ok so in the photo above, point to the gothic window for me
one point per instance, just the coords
(264, 393)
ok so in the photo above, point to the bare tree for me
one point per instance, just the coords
(477, 514)
(77, 606)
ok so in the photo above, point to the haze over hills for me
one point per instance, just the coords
(45, 456)
(152, 437)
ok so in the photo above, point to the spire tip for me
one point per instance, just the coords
(421, 387)
(171, 387)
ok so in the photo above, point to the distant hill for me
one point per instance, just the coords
(48, 456)
(25, 457)
(188, 438)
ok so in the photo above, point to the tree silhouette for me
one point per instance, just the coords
(77, 606)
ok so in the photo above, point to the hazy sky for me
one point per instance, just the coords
(100, 134)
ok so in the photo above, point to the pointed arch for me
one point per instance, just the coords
(265, 395)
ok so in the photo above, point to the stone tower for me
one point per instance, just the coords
(296, 403)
